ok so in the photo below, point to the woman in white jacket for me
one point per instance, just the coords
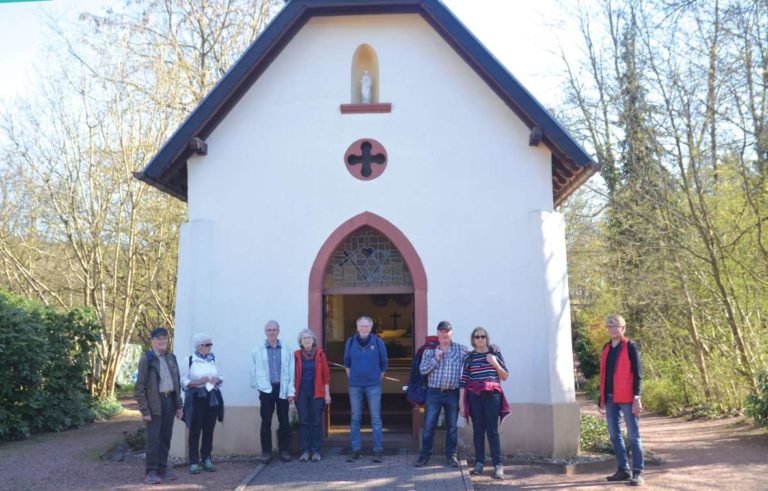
(203, 403)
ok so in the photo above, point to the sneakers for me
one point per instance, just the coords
(422, 462)
(167, 475)
(208, 465)
(316, 457)
(265, 458)
(194, 469)
(619, 475)
(452, 461)
(285, 456)
(377, 456)
(304, 457)
(637, 479)
(478, 470)
(152, 478)
(498, 472)
(354, 457)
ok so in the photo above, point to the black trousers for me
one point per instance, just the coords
(203, 421)
(159, 432)
(270, 402)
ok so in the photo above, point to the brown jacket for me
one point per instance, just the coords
(147, 390)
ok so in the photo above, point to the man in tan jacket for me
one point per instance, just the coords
(158, 393)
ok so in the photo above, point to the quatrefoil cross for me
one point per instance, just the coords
(366, 159)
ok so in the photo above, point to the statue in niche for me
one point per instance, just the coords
(365, 87)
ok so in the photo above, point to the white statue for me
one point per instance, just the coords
(365, 87)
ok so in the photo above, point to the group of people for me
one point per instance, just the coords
(461, 381)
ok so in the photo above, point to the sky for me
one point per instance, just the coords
(520, 34)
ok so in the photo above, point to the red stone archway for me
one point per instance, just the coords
(416, 268)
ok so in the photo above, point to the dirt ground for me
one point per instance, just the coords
(720, 454)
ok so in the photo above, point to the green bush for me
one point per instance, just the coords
(592, 389)
(103, 410)
(594, 436)
(662, 397)
(756, 405)
(589, 358)
(47, 358)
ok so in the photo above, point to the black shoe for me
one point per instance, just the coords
(265, 458)
(637, 479)
(422, 462)
(619, 475)
(452, 461)
(285, 456)
(354, 457)
(377, 457)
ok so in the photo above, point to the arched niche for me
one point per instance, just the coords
(364, 59)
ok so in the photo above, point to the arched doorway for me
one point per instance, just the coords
(368, 267)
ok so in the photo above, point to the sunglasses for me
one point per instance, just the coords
(479, 336)
(208, 345)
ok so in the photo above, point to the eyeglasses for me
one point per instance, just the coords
(479, 336)
(208, 345)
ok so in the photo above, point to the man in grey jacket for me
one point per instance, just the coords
(158, 393)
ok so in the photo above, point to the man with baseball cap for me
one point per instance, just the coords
(158, 393)
(443, 366)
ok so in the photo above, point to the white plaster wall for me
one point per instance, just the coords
(460, 184)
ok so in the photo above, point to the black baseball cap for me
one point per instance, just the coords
(158, 331)
(444, 325)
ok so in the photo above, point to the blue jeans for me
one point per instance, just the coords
(310, 420)
(373, 395)
(485, 409)
(613, 416)
(437, 400)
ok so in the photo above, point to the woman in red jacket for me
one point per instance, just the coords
(312, 394)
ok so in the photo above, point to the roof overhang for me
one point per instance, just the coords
(167, 171)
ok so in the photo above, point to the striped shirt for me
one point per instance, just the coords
(477, 368)
(273, 357)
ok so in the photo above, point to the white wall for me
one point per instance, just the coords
(461, 183)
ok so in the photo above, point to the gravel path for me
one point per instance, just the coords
(70, 461)
(721, 454)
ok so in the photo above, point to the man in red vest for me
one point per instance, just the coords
(620, 384)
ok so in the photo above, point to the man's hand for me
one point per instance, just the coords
(439, 354)
(601, 409)
(637, 407)
(147, 418)
(291, 399)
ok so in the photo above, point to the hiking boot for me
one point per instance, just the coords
(452, 461)
(285, 456)
(498, 472)
(194, 469)
(316, 457)
(377, 456)
(422, 462)
(619, 475)
(354, 457)
(152, 478)
(265, 458)
(478, 470)
(304, 457)
(637, 479)
(208, 466)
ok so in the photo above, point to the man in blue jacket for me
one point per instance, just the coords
(365, 360)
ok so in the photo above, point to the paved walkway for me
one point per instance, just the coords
(395, 473)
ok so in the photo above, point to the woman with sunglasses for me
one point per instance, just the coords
(203, 403)
(480, 392)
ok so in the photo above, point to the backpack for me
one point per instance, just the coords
(417, 383)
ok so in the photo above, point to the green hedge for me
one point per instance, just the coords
(45, 356)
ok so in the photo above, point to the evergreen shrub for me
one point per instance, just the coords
(756, 405)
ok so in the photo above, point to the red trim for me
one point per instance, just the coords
(382, 107)
(400, 241)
